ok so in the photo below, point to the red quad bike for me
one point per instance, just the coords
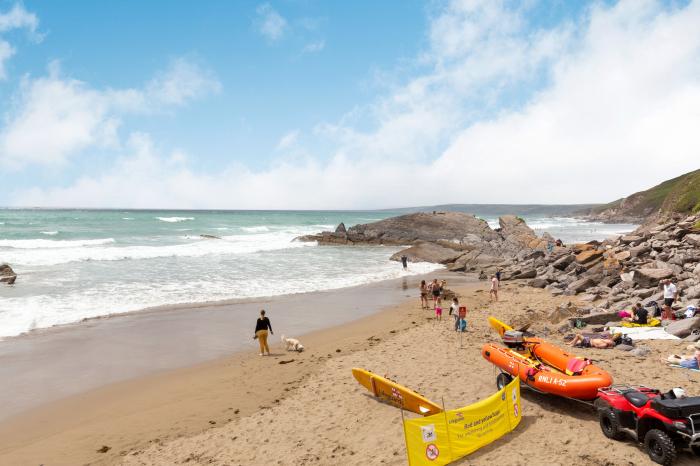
(664, 424)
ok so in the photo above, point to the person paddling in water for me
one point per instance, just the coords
(261, 327)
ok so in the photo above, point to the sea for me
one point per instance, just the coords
(78, 264)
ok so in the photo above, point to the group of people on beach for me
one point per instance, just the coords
(434, 289)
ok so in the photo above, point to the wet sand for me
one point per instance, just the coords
(305, 408)
(114, 381)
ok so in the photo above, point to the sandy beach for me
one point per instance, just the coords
(307, 409)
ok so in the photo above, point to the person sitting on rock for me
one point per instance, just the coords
(639, 315)
(582, 341)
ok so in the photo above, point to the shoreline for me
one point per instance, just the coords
(66, 360)
(221, 411)
(131, 414)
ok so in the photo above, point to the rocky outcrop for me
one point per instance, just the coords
(403, 230)
(617, 273)
(7, 275)
(428, 252)
(461, 241)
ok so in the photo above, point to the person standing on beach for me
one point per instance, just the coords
(670, 296)
(261, 327)
(424, 295)
(435, 290)
(493, 294)
(404, 261)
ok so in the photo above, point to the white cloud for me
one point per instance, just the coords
(16, 18)
(314, 47)
(614, 110)
(270, 23)
(55, 117)
(288, 140)
(6, 52)
(181, 82)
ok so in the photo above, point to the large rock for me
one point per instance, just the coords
(581, 284)
(421, 226)
(598, 318)
(516, 232)
(428, 252)
(7, 275)
(589, 256)
(693, 239)
(538, 283)
(683, 328)
(650, 277)
(692, 292)
(563, 262)
(341, 228)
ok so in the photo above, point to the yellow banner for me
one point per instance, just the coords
(448, 436)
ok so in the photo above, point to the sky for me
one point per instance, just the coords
(309, 104)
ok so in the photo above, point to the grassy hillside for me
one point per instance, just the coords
(681, 194)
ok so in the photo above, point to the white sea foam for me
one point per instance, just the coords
(18, 315)
(258, 229)
(127, 218)
(174, 219)
(45, 252)
(50, 244)
(50, 233)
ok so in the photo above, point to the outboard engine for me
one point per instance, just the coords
(513, 339)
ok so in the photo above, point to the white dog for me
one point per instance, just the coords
(292, 344)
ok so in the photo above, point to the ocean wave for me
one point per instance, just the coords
(51, 244)
(255, 229)
(21, 314)
(50, 233)
(37, 254)
(127, 218)
(174, 219)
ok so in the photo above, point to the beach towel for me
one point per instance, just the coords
(651, 323)
(681, 367)
(644, 333)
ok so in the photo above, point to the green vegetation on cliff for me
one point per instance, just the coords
(681, 194)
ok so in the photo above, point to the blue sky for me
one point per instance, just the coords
(312, 104)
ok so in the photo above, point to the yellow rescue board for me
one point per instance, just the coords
(499, 326)
(394, 393)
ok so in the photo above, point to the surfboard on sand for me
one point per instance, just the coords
(396, 394)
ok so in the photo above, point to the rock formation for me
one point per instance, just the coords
(7, 275)
(461, 241)
(616, 274)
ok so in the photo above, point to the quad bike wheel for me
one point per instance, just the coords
(660, 447)
(610, 424)
(502, 380)
(696, 450)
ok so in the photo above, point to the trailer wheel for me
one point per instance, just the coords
(660, 447)
(610, 424)
(502, 380)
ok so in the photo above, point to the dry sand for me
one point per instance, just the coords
(329, 419)
(311, 411)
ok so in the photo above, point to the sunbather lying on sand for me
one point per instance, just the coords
(589, 342)
(689, 362)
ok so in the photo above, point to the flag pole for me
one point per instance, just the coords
(447, 429)
(405, 437)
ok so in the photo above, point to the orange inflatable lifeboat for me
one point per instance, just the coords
(543, 366)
